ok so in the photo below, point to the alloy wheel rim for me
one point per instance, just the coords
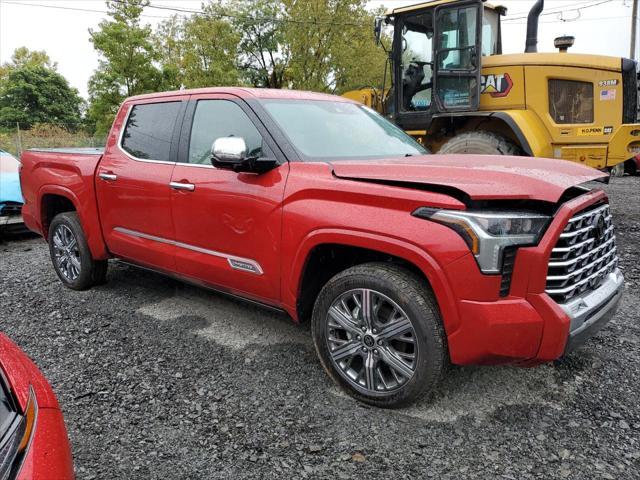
(66, 253)
(371, 341)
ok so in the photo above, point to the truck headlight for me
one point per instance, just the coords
(16, 432)
(488, 233)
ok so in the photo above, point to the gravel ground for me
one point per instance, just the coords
(162, 380)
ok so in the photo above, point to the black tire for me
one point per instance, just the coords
(415, 298)
(484, 143)
(618, 170)
(91, 272)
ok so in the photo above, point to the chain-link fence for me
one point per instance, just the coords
(15, 138)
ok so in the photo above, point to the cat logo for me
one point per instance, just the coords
(496, 85)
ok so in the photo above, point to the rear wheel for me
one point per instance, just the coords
(487, 143)
(70, 254)
(377, 331)
(618, 170)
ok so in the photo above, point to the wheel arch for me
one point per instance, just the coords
(523, 128)
(353, 248)
(55, 199)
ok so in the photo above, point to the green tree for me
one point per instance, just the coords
(33, 94)
(324, 45)
(331, 45)
(169, 44)
(23, 57)
(263, 56)
(198, 51)
(126, 66)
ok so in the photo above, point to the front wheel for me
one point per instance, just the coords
(377, 331)
(71, 256)
(484, 143)
(618, 170)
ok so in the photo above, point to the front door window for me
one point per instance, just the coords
(215, 119)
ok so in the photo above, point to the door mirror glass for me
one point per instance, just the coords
(377, 29)
(228, 151)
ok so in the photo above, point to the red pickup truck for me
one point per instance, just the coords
(316, 205)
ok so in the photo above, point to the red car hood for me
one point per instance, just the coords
(482, 177)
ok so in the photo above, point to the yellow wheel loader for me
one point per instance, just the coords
(454, 90)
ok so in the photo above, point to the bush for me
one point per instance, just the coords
(46, 136)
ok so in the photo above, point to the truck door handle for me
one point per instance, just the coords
(108, 177)
(189, 187)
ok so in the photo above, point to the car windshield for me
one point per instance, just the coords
(326, 130)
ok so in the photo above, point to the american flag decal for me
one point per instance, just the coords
(608, 94)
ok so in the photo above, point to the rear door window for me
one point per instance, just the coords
(149, 130)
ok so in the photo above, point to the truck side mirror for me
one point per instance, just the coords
(377, 29)
(230, 153)
(227, 152)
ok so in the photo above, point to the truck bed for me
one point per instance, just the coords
(53, 177)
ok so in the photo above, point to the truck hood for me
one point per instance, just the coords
(480, 177)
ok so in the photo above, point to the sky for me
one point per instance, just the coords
(61, 28)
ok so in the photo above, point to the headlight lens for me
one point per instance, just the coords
(16, 435)
(488, 233)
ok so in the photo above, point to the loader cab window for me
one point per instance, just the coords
(490, 33)
(457, 64)
(416, 62)
(457, 37)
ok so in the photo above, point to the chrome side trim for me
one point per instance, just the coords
(237, 263)
(127, 154)
(196, 165)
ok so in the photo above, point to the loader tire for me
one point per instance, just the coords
(484, 143)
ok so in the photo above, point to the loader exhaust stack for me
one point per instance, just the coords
(532, 27)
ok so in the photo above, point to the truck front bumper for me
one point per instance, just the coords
(527, 326)
(532, 330)
(591, 312)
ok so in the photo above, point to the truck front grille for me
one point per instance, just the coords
(584, 254)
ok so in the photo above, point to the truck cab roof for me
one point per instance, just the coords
(243, 92)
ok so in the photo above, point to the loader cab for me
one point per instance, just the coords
(436, 57)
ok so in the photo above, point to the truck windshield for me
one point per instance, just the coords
(321, 129)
